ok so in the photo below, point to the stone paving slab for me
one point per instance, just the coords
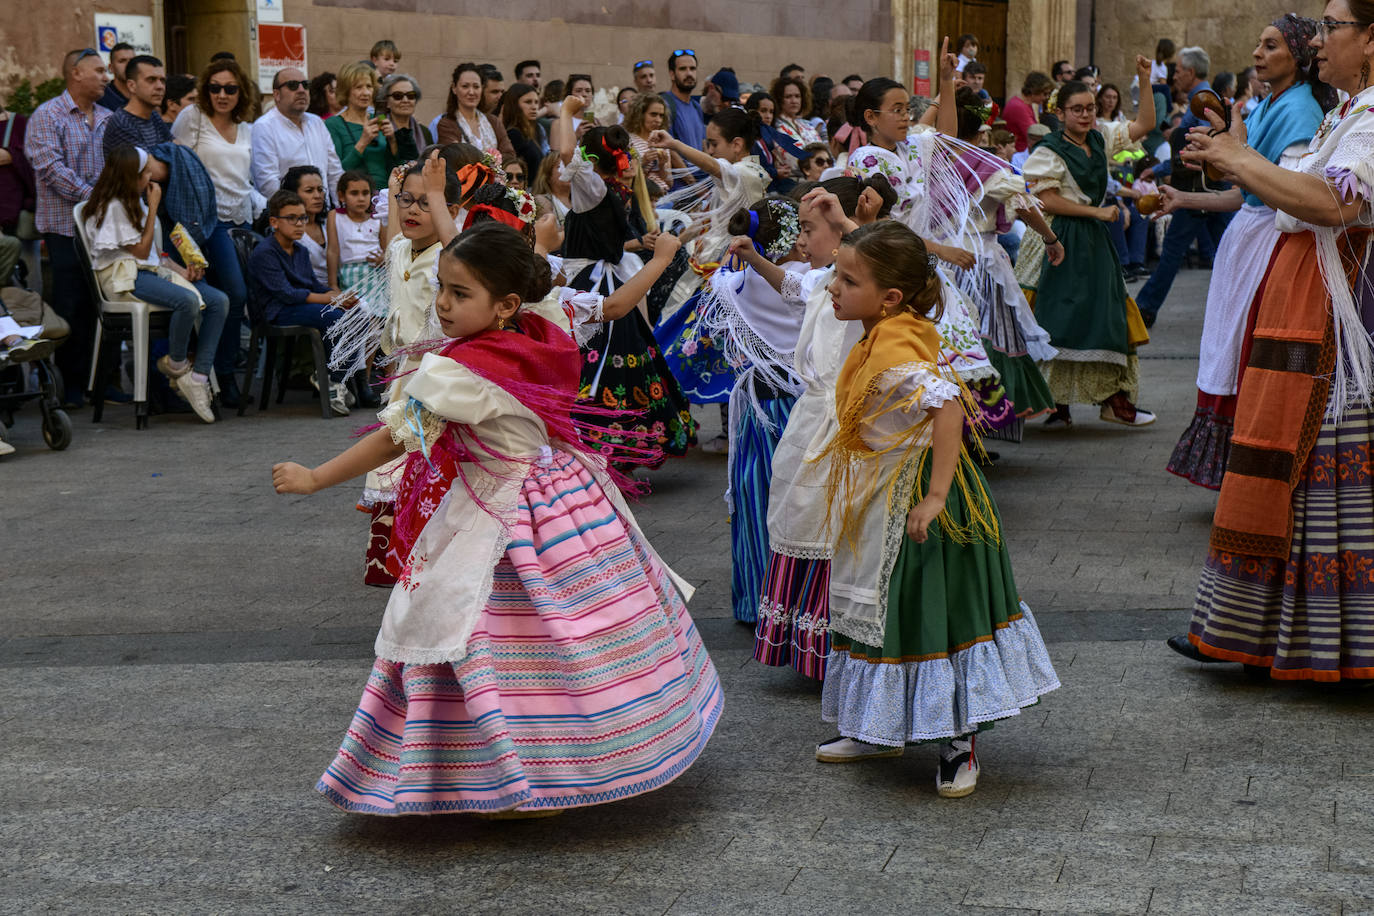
(182, 651)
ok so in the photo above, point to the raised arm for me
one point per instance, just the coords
(1145, 120)
(661, 139)
(567, 137)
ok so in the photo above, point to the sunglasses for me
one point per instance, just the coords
(681, 52)
(85, 53)
(226, 88)
(398, 95)
(515, 178)
(822, 161)
(293, 85)
(643, 63)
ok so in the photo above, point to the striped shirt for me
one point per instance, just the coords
(64, 149)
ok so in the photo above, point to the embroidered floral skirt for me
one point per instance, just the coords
(584, 682)
(623, 369)
(794, 615)
(1311, 616)
(694, 357)
(1202, 451)
(751, 474)
(960, 649)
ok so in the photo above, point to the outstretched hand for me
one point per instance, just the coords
(290, 477)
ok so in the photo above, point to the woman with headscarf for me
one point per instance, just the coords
(1280, 130)
(1287, 585)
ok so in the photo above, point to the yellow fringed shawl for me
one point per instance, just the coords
(862, 397)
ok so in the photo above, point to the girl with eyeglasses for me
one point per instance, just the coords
(932, 201)
(1080, 296)
(217, 129)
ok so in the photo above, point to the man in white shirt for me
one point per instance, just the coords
(288, 136)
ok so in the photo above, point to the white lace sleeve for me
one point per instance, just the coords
(410, 423)
(906, 394)
(793, 290)
(587, 187)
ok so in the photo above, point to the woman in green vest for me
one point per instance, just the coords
(1082, 301)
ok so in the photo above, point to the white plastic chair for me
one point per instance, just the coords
(139, 313)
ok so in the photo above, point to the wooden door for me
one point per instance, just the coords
(988, 20)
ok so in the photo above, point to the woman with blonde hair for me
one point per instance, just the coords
(648, 113)
(363, 139)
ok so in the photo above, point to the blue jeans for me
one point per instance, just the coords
(319, 317)
(1130, 243)
(1186, 226)
(224, 272)
(1011, 244)
(154, 290)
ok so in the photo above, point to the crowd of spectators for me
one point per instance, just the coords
(226, 158)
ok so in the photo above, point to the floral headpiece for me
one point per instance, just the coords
(524, 204)
(784, 213)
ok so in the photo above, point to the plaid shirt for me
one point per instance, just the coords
(65, 152)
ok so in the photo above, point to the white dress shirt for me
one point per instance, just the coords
(279, 145)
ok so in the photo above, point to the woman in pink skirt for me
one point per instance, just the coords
(536, 654)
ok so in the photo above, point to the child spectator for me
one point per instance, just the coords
(968, 51)
(386, 57)
(355, 236)
(284, 283)
(124, 254)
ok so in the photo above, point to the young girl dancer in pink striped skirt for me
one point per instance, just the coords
(536, 653)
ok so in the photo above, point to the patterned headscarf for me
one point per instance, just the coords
(1298, 31)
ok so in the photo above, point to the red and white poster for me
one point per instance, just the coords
(280, 45)
(920, 76)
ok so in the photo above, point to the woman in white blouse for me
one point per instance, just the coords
(214, 127)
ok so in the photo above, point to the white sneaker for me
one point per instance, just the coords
(195, 393)
(849, 750)
(338, 399)
(6, 448)
(1143, 417)
(957, 774)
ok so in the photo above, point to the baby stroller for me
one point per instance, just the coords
(27, 371)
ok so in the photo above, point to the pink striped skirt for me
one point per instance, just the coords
(585, 681)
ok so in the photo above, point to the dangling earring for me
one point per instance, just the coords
(500, 324)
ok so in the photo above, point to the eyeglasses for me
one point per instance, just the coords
(293, 220)
(1324, 26)
(398, 96)
(292, 85)
(639, 64)
(226, 88)
(405, 199)
(1080, 110)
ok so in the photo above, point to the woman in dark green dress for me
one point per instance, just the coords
(1082, 301)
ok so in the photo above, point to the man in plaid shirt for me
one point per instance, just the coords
(63, 145)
